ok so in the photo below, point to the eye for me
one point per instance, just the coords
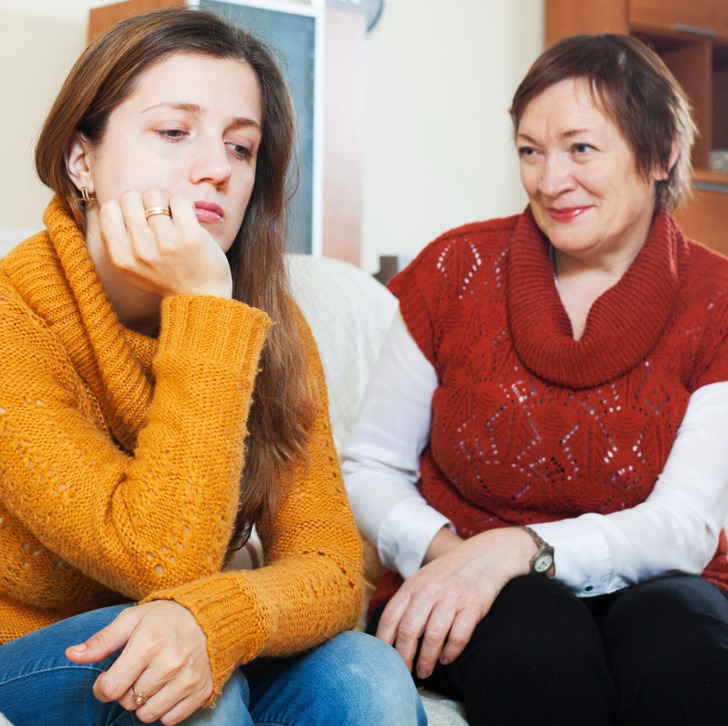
(171, 134)
(240, 151)
(526, 152)
(582, 148)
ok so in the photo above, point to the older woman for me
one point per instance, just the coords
(540, 457)
(159, 394)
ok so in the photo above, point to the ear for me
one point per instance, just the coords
(662, 174)
(78, 162)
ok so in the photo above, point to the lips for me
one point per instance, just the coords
(566, 214)
(209, 212)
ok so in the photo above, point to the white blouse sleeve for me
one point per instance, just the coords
(675, 529)
(381, 460)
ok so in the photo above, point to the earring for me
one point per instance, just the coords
(87, 196)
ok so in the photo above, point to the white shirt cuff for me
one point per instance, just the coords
(406, 534)
(581, 555)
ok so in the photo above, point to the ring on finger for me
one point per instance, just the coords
(138, 699)
(154, 211)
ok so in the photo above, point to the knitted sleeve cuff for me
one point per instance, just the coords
(221, 329)
(230, 617)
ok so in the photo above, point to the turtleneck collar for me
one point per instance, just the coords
(623, 325)
(55, 275)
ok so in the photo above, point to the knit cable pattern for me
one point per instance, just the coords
(121, 457)
(530, 425)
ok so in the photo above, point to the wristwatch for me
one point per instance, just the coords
(543, 560)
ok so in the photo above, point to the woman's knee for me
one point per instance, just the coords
(378, 687)
(353, 679)
(538, 620)
(230, 707)
(667, 622)
(537, 652)
(36, 665)
(44, 650)
(667, 641)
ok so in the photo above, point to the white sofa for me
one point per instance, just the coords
(349, 313)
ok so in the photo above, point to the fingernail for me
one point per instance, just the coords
(78, 648)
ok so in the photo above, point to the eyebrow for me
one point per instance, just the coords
(566, 135)
(199, 111)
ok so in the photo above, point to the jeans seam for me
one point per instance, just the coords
(17, 678)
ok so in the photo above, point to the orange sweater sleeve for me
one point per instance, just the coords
(79, 515)
(311, 585)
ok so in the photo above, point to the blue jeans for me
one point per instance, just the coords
(353, 679)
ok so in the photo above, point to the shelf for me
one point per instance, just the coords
(692, 40)
(708, 177)
(708, 18)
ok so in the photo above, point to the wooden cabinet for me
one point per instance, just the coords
(696, 15)
(692, 38)
(721, 19)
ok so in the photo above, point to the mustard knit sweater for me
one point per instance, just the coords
(120, 461)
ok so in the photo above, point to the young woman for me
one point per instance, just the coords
(541, 453)
(160, 394)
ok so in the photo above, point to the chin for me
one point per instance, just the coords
(570, 244)
(225, 244)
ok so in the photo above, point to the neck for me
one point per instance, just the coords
(581, 282)
(609, 269)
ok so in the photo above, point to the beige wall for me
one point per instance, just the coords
(439, 77)
(36, 52)
(439, 150)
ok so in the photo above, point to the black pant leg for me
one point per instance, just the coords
(535, 659)
(667, 643)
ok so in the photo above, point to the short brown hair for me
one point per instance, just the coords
(633, 86)
(102, 78)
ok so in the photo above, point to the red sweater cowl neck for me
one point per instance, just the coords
(530, 425)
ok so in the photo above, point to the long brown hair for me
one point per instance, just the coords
(637, 92)
(103, 77)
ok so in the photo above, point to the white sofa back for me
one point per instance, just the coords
(10, 236)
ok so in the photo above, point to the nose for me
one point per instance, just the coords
(556, 174)
(211, 162)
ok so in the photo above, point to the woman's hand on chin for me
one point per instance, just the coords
(163, 254)
(445, 599)
(164, 659)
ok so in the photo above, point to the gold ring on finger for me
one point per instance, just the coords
(154, 211)
(139, 699)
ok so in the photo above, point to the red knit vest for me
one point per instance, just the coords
(530, 425)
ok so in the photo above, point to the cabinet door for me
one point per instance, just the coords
(720, 18)
(696, 15)
(568, 17)
(705, 219)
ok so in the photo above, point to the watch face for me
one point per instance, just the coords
(543, 562)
